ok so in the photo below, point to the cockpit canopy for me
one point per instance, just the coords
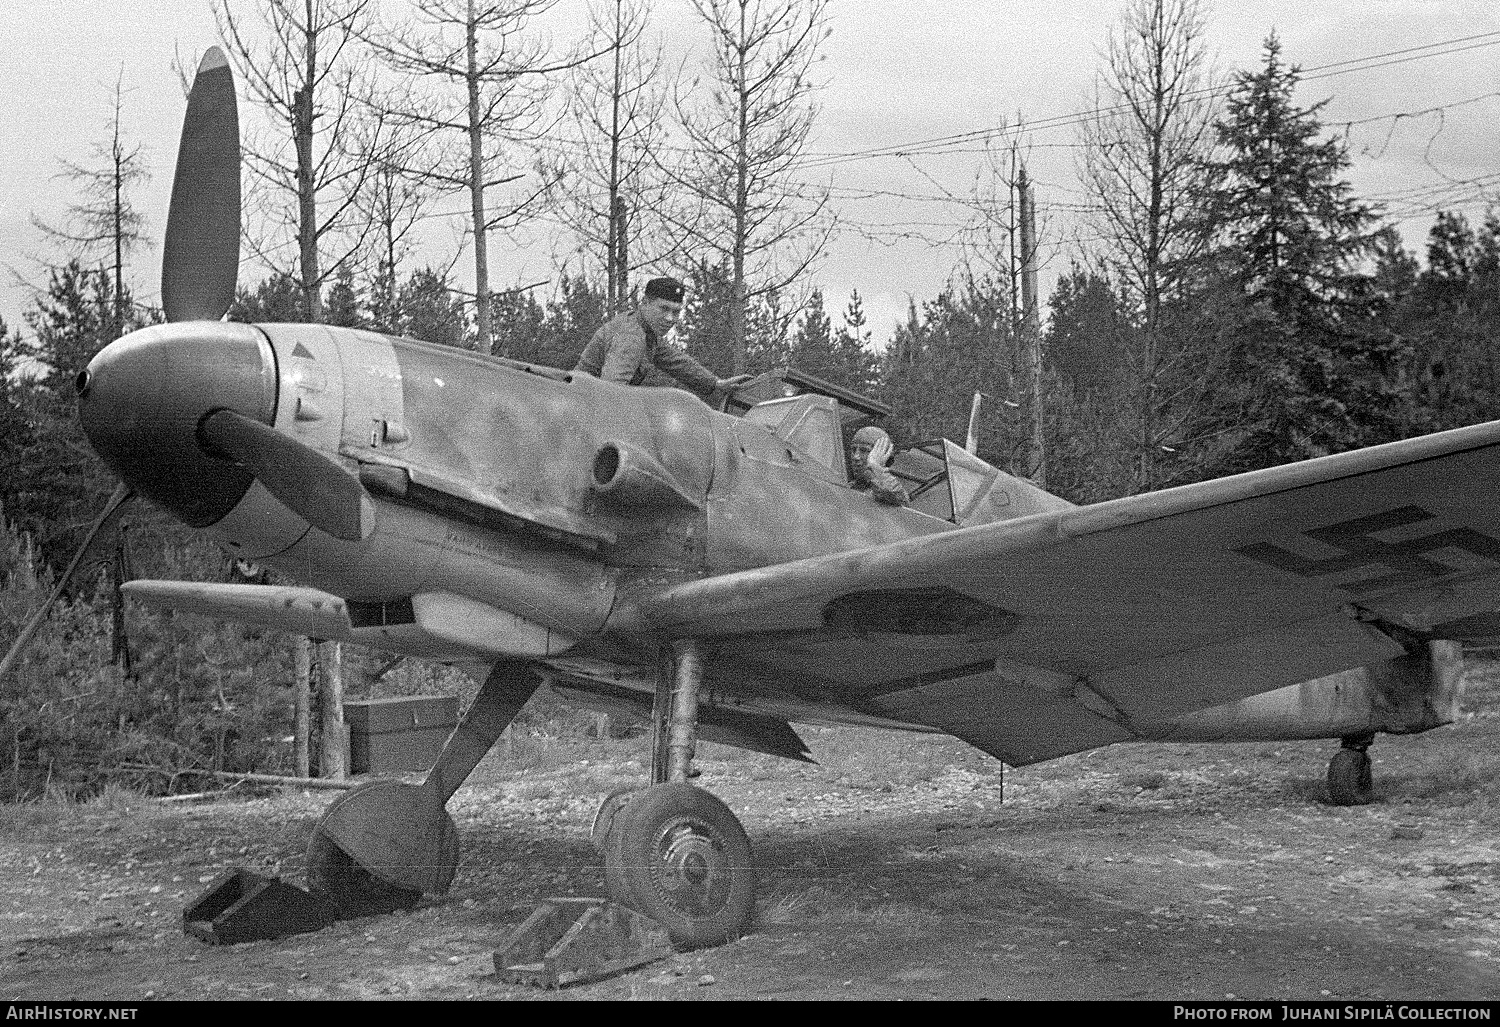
(943, 480)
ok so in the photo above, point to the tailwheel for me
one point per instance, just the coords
(678, 855)
(381, 846)
(353, 890)
(1350, 781)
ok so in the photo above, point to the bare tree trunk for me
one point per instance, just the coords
(335, 763)
(302, 703)
(741, 294)
(105, 224)
(612, 167)
(615, 268)
(300, 66)
(307, 194)
(1142, 161)
(476, 187)
(762, 227)
(117, 217)
(1031, 325)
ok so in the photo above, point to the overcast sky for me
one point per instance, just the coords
(895, 73)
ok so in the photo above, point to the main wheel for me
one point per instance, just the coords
(1350, 781)
(678, 855)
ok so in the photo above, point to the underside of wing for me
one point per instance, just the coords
(1063, 631)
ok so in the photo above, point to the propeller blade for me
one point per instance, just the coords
(201, 255)
(112, 509)
(312, 486)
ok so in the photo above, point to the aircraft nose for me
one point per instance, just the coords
(143, 396)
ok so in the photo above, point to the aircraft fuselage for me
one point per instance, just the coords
(485, 474)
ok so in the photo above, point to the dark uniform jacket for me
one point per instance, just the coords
(625, 347)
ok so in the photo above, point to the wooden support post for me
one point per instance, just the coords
(302, 705)
(119, 642)
(335, 764)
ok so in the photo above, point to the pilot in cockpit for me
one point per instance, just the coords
(869, 453)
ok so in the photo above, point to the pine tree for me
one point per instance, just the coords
(768, 324)
(706, 330)
(383, 311)
(342, 307)
(960, 343)
(1311, 373)
(572, 319)
(74, 319)
(278, 299)
(1452, 315)
(51, 482)
(812, 345)
(858, 366)
(432, 312)
(1086, 343)
(1283, 205)
(838, 356)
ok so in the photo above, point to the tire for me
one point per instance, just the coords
(678, 855)
(615, 883)
(1350, 780)
(334, 875)
(605, 819)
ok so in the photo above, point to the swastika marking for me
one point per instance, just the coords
(1404, 560)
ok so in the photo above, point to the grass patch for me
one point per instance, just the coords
(819, 903)
(1144, 780)
(1459, 777)
(60, 808)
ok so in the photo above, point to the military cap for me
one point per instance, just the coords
(869, 435)
(664, 288)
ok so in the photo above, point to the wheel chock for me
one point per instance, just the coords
(571, 940)
(240, 905)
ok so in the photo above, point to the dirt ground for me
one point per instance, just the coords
(891, 870)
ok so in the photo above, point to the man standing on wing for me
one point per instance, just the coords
(627, 346)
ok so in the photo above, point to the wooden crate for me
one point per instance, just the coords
(393, 736)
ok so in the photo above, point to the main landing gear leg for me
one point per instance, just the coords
(381, 846)
(674, 852)
(1350, 781)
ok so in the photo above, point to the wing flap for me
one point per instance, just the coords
(1004, 716)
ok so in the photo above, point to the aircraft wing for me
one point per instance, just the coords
(1063, 631)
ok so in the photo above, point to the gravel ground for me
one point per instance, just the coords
(899, 867)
